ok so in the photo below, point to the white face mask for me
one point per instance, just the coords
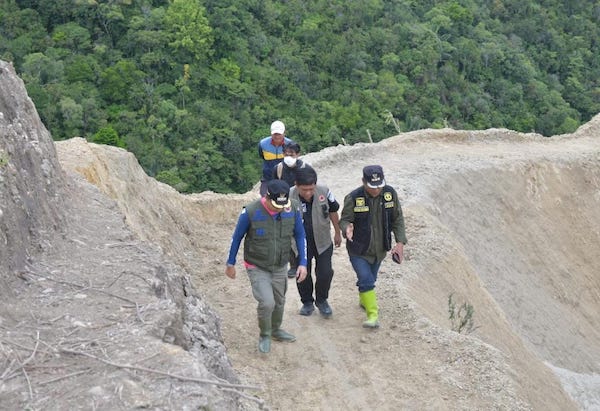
(289, 161)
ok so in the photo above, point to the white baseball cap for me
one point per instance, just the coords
(277, 127)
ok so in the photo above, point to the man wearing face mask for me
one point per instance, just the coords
(286, 170)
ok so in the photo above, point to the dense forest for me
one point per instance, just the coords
(191, 86)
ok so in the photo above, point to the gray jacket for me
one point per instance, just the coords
(320, 217)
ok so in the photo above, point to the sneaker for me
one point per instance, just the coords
(307, 309)
(292, 273)
(281, 335)
(324, 309)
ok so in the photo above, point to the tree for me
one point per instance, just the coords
(41, 69)
(189, 30)
(108, 135)
(116, 82)
(72, 115)
(73, 37)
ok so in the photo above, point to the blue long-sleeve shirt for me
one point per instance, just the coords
(243, 225)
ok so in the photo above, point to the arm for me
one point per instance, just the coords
(337, 232)
(347, 219)
(260, 150)
(398, 223)
(399, 231)
(334, 206)
(240, 231)
(300, 236)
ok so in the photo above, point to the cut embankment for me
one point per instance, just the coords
(520, 245)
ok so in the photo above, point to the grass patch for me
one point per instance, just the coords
(461, 316)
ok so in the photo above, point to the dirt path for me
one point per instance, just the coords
(414, 361)
(459, 189)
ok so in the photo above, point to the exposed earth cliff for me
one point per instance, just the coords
(104, 267)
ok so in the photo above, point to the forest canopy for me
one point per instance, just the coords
(191, 86)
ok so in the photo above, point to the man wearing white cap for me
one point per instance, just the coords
(270, 149)
(370, 215)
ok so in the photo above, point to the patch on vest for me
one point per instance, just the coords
(360, 205)
(388, 200)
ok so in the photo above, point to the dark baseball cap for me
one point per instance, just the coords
(278, 191)
(373, 176)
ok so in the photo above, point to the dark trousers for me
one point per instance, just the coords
(323, 276)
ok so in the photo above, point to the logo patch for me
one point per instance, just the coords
(387, 196)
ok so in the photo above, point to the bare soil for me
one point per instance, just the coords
(504, 222)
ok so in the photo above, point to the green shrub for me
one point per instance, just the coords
(461, 318)
(109, 136)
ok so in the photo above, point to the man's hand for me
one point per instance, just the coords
(230, 271)
(349, 232)
(301, 273)
(337, 239)
(398, 250)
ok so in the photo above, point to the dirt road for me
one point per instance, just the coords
(503, 222)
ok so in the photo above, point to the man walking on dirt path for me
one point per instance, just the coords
(370, 215)
(286, 171)
(267, 226)
(319, 208)
(270, 149)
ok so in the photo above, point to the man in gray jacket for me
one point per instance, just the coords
(319, 210)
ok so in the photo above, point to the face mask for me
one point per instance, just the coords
(289, 161)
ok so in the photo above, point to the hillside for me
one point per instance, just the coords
(91, 317)
(506, 222)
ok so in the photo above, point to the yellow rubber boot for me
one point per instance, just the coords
(368, 299)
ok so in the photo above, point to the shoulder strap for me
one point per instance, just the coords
(279, 170)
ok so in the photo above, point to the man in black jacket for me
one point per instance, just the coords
(370, 215)
(286, 171)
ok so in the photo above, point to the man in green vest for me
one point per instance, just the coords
(267, 227)
(370, 215)
(319, 208)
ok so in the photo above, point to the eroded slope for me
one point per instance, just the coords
(504, 221)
